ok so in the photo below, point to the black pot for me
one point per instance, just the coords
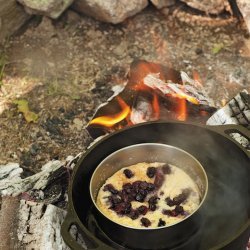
(225, 212)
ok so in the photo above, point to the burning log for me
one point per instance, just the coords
(236, 111)
(183, 91)
(153, 92)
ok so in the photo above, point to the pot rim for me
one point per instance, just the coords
(152, 144)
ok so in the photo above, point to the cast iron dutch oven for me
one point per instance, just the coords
(222, 222)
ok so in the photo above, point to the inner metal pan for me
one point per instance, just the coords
(150, 153)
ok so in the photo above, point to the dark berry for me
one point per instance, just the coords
(151, 172)
(161, 223)
(136, 186)
(143, 185)
(170, 202)
(152, 203)
(151, 187)
(143, 192)
(110, 188)
(115, 199)
(145, 222)
(179, 210)
(159, 179)
(152, 207)
(134, 214)
(169, 212)
(128, 188)
(128, 173)
(166, 169)
(181, 197)
(153, 200)
(139, 197)
(122, 208)
(142, 210)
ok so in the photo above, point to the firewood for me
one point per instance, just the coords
(236, 111)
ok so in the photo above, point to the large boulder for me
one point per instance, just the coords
(12, 17)
(159, 4)
(50, 8)
(209, 6)
(244, 7)
(111, 11)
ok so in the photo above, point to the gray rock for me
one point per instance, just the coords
(111, 11)
(244, 7)
(209, 6)
(159, 4)
(50, 8)
(12, 17)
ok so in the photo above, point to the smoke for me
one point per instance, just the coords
(226, 208)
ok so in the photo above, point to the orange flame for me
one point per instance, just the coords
(186, 97)
(111, 120)
(156, 106)
(182, 110)
(197, 78)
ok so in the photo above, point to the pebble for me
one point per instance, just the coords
(78, 124)
(34, 149)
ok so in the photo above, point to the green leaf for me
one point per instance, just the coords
(217, 48)
(23, 107)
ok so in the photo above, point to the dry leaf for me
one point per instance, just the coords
(23, 107)
(217, 48)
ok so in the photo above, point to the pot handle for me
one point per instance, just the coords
(71, 242)
(226, 130)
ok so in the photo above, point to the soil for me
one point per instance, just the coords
(66, 68)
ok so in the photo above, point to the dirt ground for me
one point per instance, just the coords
(66, 68)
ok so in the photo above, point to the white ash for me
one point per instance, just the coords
(10, 171)
(142, 112)
(37, 181)
(42, 221)
(77, 236)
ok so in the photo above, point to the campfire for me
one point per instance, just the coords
(153, 92)
(65, 66)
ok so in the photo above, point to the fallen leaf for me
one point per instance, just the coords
(23, 107)
(217, 48)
